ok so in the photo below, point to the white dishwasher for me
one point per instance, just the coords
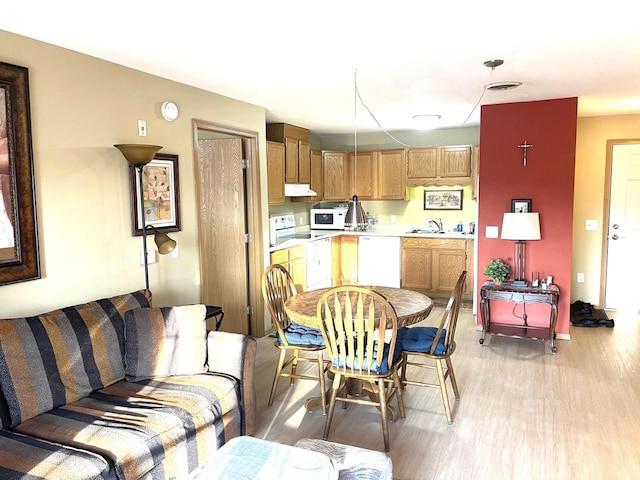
(379, 261)
(319, 264)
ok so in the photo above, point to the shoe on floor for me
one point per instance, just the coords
(606, 322)
(585, 322)
(581, 308)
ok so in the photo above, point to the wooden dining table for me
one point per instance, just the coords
(410, 306)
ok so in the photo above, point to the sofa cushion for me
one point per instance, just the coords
(61, 356)
(165, 341)
(27, 458)
(137, 425)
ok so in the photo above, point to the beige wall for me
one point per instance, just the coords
(80, 107)
(592, 136)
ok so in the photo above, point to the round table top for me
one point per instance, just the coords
(411, 307)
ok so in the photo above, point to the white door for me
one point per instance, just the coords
(623, 239)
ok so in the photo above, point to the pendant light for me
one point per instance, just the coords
(355, 219)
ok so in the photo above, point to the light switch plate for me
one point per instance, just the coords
(491, 231)
(591, 225)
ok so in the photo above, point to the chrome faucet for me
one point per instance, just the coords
(437, 224)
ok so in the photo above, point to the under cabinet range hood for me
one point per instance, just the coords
(298, 190)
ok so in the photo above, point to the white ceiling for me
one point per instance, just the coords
(297, 58)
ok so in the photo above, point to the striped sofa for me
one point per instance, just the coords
(71, 409)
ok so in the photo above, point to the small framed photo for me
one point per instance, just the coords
(521, 205)
(161, 194)
(443, 200)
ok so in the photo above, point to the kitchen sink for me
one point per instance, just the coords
(424, 232)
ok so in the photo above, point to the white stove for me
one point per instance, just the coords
(281, 226)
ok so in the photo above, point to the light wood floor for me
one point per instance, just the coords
(523, 413)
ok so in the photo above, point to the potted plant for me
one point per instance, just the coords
(497, 271)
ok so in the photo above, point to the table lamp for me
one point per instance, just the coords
(519, 227)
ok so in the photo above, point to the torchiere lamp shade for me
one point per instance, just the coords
(137, 154)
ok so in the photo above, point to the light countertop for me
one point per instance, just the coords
(304, 235)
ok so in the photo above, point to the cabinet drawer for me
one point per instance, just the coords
(448, 243)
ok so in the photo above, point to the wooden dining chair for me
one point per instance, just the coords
(300, 340)
(360, 327)
(432, 348)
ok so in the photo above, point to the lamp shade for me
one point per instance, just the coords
(355, 219)
(520, 226)
(137, 154)
(164, 242)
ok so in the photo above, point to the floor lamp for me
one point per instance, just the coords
(519, 227)
(138, 156)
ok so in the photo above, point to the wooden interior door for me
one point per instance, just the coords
(223, 250)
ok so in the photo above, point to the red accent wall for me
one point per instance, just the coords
(548, 178)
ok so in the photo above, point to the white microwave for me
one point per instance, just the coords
(328, 218)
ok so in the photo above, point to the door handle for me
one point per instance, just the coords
(615, 236)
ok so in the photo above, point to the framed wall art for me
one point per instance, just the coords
(443, 200)
(521, 205)
(19, 254)
(161, 193)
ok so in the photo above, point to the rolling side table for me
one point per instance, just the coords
(509, 293)
(217, 313)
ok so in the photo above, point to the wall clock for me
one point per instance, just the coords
(169, 111)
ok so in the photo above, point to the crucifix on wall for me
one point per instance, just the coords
(524, 147)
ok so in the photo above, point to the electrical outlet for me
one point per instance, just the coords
(152, 257)
(591, 225)
(580, 278)
(392, 219)
(142, 128)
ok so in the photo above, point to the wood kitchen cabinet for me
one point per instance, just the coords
(434, 264)
(439, 166)
(344, 260)
(336, 174)
(295, 261)
(392, 174)
(317, 181)
(297, 150)
(275, 172)
(379, 175)
(364, 164)
(475, 168)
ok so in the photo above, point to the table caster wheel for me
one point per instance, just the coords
(481, 341)
(554, 350)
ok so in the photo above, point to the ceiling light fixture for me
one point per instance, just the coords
(499, 86)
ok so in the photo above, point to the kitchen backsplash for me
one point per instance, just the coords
(405, 212)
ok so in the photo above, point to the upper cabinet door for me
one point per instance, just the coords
(275, 172)
(364, 166)
(392, 175)
(291, 160)
(336, 173)
(304, 162)
(422, 162)
(455, 162)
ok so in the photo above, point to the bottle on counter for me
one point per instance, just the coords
(459, 227)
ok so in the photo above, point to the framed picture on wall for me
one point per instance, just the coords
(19, 254)
(161, 193)
(443, 200)
(521, 205)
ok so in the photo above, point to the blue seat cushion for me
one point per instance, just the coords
(302, 335)
(420, 339)
(383, 367)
